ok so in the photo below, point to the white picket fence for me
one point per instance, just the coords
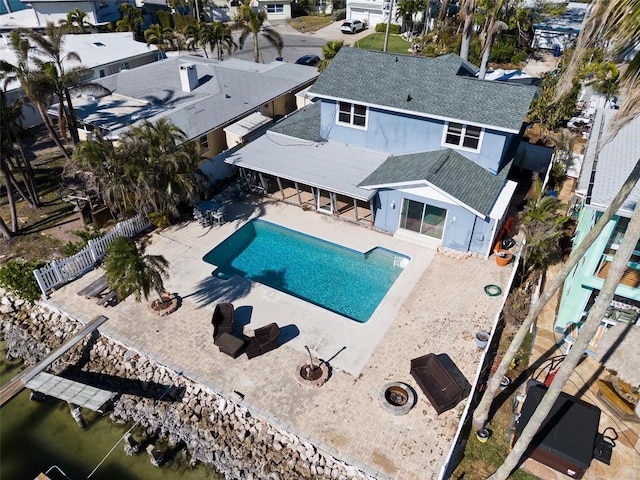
(64, 270)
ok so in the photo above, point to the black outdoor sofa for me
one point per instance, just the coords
(266, 339)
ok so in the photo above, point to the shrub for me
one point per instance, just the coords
(339, 14)
(17, 276)
(71, 248)
(394, 28)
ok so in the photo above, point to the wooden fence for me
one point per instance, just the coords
(61, 271)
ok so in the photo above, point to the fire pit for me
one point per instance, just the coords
(397, 398)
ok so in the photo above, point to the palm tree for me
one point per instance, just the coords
(467, 8)
(494, 28)
(596, 313)
(102, 160)
(543, 227)
(76, 22)
(10, 137)
(219, 38)
(37, 85)
(196, 35)
(617, 22)
(160, 171)
(250, 22)
(50, 46)
(164, 167)
(160, 37)
(131, 19)
(329, 50)
(407, 9)
(129, 270)
(481, 414)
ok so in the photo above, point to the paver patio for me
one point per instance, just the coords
(436, 305)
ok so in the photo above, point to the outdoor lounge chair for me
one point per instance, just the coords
(436, 382)
(265, 340)
(222, 320)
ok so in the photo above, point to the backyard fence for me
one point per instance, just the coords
(64, 270)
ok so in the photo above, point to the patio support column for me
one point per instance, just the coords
(262, 182)
(280, 187)
(334, 202)
(355, 208)
(298, 193)
(373, 215)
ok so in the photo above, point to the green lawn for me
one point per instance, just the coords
(375, 41)
(310, 23)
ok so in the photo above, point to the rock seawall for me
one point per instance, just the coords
(214, 429)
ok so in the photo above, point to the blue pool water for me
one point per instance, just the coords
(336, 278)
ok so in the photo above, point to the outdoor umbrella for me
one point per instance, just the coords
(619, 350)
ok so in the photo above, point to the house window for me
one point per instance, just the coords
(423, 218)
(204, 144)
(463, 136)
(631, 276)
(352, 114)
(275, 8)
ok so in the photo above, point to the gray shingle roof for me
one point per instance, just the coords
(227, 90)
(448, 171)
(436, 88)
(304, 123)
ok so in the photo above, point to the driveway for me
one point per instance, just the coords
(328, 33)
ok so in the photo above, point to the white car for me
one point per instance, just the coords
(352, 26)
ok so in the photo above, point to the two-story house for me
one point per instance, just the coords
(412, 146)
(605, 168)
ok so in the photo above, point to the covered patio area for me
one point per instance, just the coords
(314, 176)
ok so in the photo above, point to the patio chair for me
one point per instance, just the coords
(222, 320)
(265, 340)
(436, 382)
(218, 215)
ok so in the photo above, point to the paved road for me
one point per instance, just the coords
(297, 44)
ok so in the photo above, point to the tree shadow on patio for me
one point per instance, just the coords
(217, 290)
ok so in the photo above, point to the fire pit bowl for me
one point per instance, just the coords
(397, 398)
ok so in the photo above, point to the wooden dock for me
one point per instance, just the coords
(14, 386)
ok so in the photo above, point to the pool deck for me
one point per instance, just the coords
(435, 306)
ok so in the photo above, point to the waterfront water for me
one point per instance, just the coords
(14, 5)
(36, 435)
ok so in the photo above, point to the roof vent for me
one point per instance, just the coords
(188, 77)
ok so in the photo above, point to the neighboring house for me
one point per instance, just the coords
(371, 12)
(560, 33)
(413, 146)
(603, 173)
(99, 13)
(102, 54)
(203, 97)
(226, 10)
(276, 9)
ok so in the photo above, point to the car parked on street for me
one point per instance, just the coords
(352, 26)
(309, 60)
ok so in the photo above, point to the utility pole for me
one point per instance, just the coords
(386, 33)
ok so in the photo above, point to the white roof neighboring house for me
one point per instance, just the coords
(95, 50)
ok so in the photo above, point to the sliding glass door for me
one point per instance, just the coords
(423, 218)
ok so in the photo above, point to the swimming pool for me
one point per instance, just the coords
(337, 278)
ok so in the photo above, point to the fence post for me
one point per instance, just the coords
(57, 271)
(92, 250)
(40, 281)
